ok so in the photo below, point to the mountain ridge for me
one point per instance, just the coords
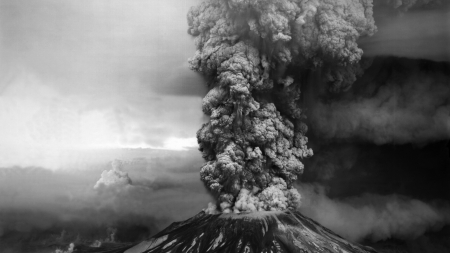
(271, 231)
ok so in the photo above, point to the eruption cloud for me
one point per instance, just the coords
(418, 34)
(372, 216)
(256, 55)
(405, 5)
(405, 104)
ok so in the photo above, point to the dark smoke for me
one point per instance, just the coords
(395, 101)
(251, 52)
(370, 79)
(417, 34)
(372, 216)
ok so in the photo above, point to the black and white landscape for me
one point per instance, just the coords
(255, 125)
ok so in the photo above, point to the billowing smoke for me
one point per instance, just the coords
(405, 5)
(69, 250)
(372, 216)
(274, 67)
(417, 33)
(404, 102)
(255, 54)
(114, 176)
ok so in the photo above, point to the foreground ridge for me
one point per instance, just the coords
(275, 232)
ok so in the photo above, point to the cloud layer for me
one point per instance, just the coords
(374, 217)
(86, 202)
(397, 101)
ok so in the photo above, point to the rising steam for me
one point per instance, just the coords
(114, 176)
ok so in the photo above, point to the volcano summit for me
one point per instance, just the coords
(268, 231)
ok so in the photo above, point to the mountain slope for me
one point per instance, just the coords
(275, 232)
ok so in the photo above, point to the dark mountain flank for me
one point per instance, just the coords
(271, 231)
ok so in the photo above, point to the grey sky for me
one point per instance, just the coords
(83, 74)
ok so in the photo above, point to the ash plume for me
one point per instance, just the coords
(417, 33)
(372, 216)
(254, 54)
(405, 5)
(406, 102)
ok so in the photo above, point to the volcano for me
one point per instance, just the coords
(270, 231)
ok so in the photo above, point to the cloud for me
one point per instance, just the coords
(40, 201)
(114, 177)
(418, 34)
(77, 75)
(87, 43)
(374, 217)
(405, 102)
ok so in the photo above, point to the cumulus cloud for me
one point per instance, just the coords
(114, 177)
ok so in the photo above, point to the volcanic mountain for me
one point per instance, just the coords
(270, 231)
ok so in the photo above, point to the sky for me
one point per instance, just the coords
(87, 83)
(78, 75)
